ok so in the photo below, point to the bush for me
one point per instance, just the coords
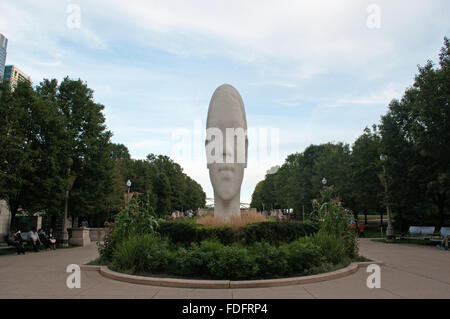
(275, 232)
(332, 246)
(351, 243)
(224, 234)
(302, 255)
(189, 262)
(232, 262)
(137, 218)
(271, 232)
(271, 261)
(194, 261)
(179, 232)
(211, 259)
(147, 253)
(187, 233)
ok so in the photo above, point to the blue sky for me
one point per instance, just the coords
(309, 72)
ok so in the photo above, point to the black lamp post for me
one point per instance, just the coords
(390, 230)
(65, 234)
(324, 183)
(128, 191)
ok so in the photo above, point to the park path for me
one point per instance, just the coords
(410, 271)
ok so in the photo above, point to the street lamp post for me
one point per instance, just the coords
(65, 234)
(390, 229)
(324, 182)
(128, 191)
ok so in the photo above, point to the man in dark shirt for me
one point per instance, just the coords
(15, 239)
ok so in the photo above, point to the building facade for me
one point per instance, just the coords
(14, 76)
(3, 46)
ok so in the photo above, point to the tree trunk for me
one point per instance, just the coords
(441, 209)
(13, 210)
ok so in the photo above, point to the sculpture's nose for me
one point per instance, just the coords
(228, 151)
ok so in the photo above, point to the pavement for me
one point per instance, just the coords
(410, 271)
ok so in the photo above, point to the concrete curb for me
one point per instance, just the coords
(225, 284)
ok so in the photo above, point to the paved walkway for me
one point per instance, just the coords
(411, 271)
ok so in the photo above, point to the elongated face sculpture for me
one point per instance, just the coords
(226, 149)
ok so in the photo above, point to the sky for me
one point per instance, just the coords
(309, 72)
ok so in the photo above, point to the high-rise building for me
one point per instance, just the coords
(3, 46)
(14, 76)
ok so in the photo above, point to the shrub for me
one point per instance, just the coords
(147, 253)
(194, 260)
(179, 232)
(136, 218)
(337, 239)
(187, 233)
(351, 243)
(271, 261)
(189, 262)
(332, 246)
(271, 232)
(232, 262)
(224, 234)
(302, 255)
(275, 232)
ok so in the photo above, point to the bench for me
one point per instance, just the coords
(24, 239)
(421, 232)
(445, 231)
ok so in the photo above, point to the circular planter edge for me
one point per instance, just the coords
(225, 284)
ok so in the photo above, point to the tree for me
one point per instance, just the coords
(415, 132)
(87, 145)
(162, 190)
(368, 191)
(257, 201)
(31, 137)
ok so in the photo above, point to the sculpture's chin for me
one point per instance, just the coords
(226, 185)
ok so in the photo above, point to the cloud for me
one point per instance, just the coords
(311, 69)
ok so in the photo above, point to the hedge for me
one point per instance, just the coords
(276, 232)
(271, 232)
(213, 260)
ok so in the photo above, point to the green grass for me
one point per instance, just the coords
(361, 259)
(95, 262)
(408, 241)
(374, 233)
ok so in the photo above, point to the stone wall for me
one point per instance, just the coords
(83, 236)
(5, 219)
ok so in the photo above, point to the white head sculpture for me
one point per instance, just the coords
(226, 149)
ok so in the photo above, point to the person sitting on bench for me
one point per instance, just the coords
(33, 237)
(52, 239)
(43, 238)
(444, 242)
(15, 239)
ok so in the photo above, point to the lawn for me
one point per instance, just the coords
(408, 241)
